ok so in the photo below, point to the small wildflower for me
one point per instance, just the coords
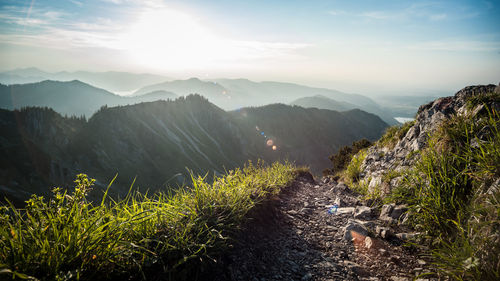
(94, 257)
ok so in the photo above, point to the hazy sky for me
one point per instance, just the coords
(364, 46)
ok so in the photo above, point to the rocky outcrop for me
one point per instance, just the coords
(382, 165)
(325, 231)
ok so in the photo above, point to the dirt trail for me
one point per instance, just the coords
(293, 237)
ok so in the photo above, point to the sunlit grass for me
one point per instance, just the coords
(452, 197)
(393, 134)
(66, 237)
(353, 170)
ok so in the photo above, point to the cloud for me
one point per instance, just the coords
(337, 12)
(378, 15)
(114, 1)
(429, 11)
(437, 17)
(40, 17)
(150, 34)
(78, 3)
(457, 46)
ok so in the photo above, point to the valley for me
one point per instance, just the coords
(158, 143)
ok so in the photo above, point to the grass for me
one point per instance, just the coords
(353, 170)
(343, 157)
(483, 99)
(393, 134)
(66, 237)
(390, 175)
(453, 200)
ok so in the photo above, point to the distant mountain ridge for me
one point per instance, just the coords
(237, 93)
(70, 98)
(156, 141)
(109, 80)
(78, 98)
(323, 102)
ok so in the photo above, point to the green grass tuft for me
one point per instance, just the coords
(395, 133)
(353, 170)
(65, 237)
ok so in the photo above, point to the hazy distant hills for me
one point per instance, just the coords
(157, 140)
(78, 98)
(322, 102)
(211, 90)
(70, 98)
(405, 105)
(110, 80)
(228, 94)
(237, 93)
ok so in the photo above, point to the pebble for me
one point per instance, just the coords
(306, 277)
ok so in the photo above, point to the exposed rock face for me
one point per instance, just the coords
(380, 160)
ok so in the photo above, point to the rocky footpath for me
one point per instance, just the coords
(381, 160)
(298, 236)
(295, 237)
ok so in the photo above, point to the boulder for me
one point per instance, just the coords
(398, 211)
(342, 187)
(392, 212)
(363, 212)
(374, 183)
(385, 213)
(383, 232)
(356, 226)
(346, 210)
(368, 242)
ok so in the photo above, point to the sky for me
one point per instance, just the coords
(395, 47)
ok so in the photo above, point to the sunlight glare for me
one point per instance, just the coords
(168, 38)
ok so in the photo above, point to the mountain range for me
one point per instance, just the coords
(156, 141)
(228, 94)
(114, 81)
(70, 98)
(323, 102)
(232, 94)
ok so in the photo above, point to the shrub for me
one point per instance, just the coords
(341, 159)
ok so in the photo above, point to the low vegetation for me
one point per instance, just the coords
(453, 190)
(454, 199)
(341, 159)
(353, 170)
(395, 133)
(66, 237)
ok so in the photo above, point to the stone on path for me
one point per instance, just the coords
(363, 212)
(355, 226)
(392, 212)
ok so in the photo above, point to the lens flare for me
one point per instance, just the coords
(269, 142)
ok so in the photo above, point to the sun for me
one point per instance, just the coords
(171, 39)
